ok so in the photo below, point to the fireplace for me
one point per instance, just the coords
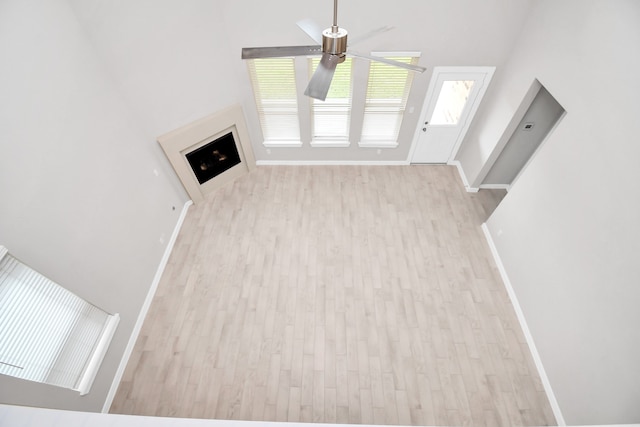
(212, 159)
(209, 152)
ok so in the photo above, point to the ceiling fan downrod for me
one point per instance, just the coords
(334, 39)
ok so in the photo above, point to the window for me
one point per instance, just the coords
(451, 102)
(331, 118)
(289, 119)
(387, 92)
(48, 334)
(274, 88)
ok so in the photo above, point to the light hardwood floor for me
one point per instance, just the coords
(348, 294)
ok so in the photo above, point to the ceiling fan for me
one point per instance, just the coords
(332, 45)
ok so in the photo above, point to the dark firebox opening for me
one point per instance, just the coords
(214, 158)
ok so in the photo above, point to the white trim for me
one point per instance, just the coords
(378, 144)
(536, 151)
(525, 329)
(463, 176)
(329, 143)
(518, 115)
(98, 355)
(496, 186)
(488, 72)
(26, 416)
(282, 144)
(510, 130)
(177, 143)
(145, 308)
(332, 163)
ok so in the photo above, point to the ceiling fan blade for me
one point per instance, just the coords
(363, 37)
(321, 81)
(312, 29)
(279, 51)
(411, 67)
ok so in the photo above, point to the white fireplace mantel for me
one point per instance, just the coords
(177, 143)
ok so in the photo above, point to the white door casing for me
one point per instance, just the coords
(438, 139)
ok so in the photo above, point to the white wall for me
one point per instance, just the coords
(568, 231)
(79, 199)
(168, 59)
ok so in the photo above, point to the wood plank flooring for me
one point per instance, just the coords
(336, 294)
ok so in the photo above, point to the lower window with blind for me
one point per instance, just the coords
(274, 88)
(47, 333)
(331, 118)
(387, 93)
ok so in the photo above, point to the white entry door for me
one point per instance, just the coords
(452, 99)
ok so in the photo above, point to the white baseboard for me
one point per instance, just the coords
(463, 176)
(332, 163)
(496, 186)
(144, 309)
(525, 329)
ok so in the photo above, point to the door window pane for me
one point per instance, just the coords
(451, 102)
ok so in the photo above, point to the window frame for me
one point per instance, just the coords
(288, 110)
(48, 334)
(397, 108)
(331, 106)
(354, 112)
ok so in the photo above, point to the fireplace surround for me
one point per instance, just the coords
(210, 152)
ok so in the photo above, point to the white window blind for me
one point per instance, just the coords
(48, 334)
(387, 92)
(274, 88)
(331, 118)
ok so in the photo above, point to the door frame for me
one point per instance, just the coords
(523, 108)
(430, 99)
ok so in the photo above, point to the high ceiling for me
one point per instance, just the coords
(177, 61)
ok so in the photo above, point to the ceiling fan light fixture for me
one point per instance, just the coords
(334, 41)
